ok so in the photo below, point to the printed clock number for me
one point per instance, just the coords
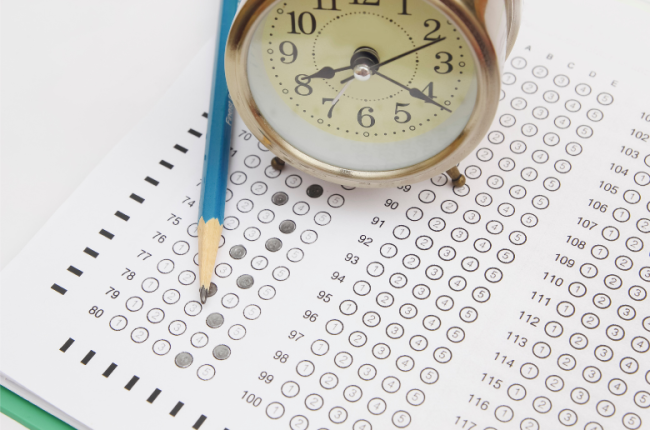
(366, 2)
(303, 82)
(306, 23)
(404, 12)
(293, 53)
(361, 117)
(436, 26)
(428, 90)
(446, 62)
(398, 111)
(329, 113)
(320, 5)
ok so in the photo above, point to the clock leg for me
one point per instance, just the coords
(457, 178)
(278, 164)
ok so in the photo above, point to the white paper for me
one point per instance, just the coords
(504, 339)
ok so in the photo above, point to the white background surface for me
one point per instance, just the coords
(77, 75)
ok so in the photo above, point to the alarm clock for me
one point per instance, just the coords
(370, 93)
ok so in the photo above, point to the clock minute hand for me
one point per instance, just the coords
(397, 57)
(390, 60)
(414, 92)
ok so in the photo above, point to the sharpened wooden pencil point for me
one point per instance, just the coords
(209, 237)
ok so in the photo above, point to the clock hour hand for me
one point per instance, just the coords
(328, 72)
(397, 57)
(414, 92)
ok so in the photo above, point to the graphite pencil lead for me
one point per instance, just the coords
(204, 294)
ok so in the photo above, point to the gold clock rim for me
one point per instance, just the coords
(460, 12)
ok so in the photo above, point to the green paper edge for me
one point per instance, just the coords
(27, 413)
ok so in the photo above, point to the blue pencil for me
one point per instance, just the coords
(217, 153)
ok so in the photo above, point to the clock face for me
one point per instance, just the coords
(305, 37)
(362, 84)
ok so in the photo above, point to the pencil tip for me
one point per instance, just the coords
(204, 294)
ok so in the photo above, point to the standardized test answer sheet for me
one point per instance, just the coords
(518, 301)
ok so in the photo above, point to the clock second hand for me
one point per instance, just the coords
(362, 73)
(336, 99)
(338, 96)
(414, 92)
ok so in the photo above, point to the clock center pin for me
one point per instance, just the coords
(362, 61)
(362, 72)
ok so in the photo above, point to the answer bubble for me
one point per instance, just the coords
(287, 226)
(280, 198)
(238, 252)
(273, 244)
(214, 320)
(245, 282)
(314, 191)
(184, 360)
(221, 352)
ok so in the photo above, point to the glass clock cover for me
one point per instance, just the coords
(362, 84)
